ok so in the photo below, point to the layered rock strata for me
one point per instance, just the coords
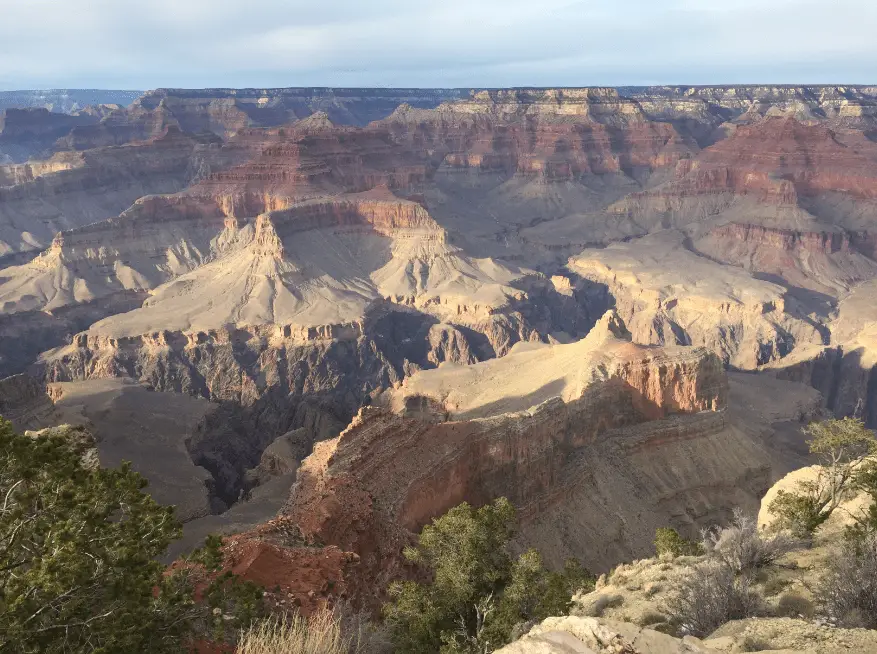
(40, 199)
(580, 437)
(667, 294)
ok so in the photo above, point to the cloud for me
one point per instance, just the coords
(197, 43)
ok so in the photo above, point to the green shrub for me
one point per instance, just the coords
(865, 526)
(802, 512)
(841, 446)
(477, 594)
(668, 541)
(79, 555)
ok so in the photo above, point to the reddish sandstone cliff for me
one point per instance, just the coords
(459, 434)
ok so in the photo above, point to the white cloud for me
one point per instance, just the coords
(196, 43)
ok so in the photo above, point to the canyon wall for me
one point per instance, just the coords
(298, 257)
(588, 447)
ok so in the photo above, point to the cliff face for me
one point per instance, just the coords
(70, 191)
(667, 294)
(846, 371)
(24, 402)
(776, 161)
(826, 262)
(277, 378)
(554, 136)
(598, 407)
(29, 132)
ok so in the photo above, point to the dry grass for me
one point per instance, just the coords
(709, 596)
(744, 547)
(319, 634)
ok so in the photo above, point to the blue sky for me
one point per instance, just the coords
(469, 43)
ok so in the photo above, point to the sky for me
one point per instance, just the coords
(146, 44)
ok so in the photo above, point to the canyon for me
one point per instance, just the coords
(356, 308)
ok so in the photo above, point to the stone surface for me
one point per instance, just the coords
(600, 440)
(592, 635)
(291, 254)
(667, 294)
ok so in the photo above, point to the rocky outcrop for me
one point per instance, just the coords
(577, 635)
(91, 187)
(845, 372)
(296, 575)
(546, 426)
(668, 294)
(281, 457)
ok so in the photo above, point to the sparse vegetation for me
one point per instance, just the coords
(78, 549)
(477, 594)
(668, 542)
(794, 605)
(710, 595)
(742, 547)
(848, 589)
(841, 446)
(325, 632)
(720, 588)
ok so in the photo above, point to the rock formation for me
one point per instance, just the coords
(600, 440)
(576, 635)
(294, 258)
(30, 132)
(24, 402)
(667, 294)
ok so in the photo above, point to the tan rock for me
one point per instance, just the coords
(609, 424)
(667, 294)
(599, 637)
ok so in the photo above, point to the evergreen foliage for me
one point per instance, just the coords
(79, 549)
(478, 594)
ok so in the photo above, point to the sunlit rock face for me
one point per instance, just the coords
(580, 437)
(422, 271)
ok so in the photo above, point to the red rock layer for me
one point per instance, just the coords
(813, 157)
(295, 575)
(785, 239)
(776, 160)
(389, 473)
(550, 147)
